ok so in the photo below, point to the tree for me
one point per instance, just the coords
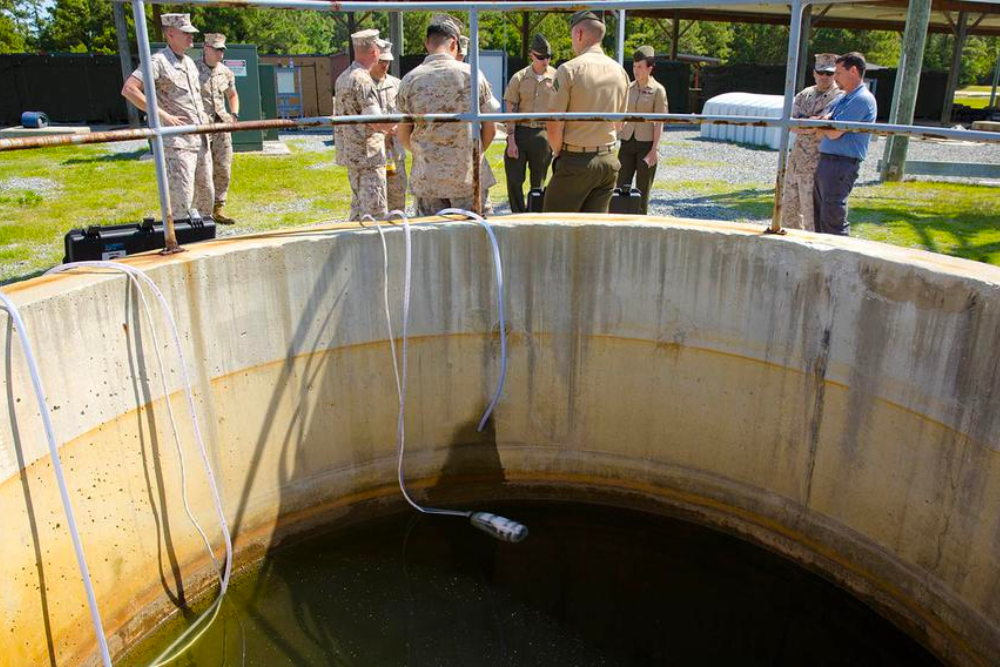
(80, 26)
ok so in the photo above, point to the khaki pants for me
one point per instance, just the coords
(534, 153)
(189, 176)
(368, 192)
(222, 164)
(631, 156)
(582, 182)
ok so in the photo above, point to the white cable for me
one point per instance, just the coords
(135, 274)
(503, 324)
(43, 409)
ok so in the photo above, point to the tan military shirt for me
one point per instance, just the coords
(810, 102)
(531, 92)
(216, 82)
(356, 95)
(388, 92)
(590, 82)
(178, 92)
(442, 152)
(651, 98)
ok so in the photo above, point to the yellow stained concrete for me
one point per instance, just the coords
(830, 399)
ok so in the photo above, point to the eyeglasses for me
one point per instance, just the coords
(824, 73)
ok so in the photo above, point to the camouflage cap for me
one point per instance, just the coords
(826, 62)
(365, 38)
(584, 16)
(385, 51)
(644, 53)
(444, 24)
(216, 40)
(541, 46)
(180, 21)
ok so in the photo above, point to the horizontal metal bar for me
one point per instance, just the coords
(332, 121)
(501, 6)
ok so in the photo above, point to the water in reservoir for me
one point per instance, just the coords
(590, 586)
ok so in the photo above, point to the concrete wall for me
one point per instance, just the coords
(832, 399)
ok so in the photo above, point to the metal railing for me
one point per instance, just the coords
(156, 133)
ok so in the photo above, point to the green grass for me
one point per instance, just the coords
(949, 218)
(87, 185)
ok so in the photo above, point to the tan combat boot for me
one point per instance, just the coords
(220, 217)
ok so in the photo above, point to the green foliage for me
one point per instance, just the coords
(274, 30)
(80, 26)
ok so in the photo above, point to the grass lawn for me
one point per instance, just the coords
(45, 193)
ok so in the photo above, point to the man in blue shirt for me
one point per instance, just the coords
(841, 152)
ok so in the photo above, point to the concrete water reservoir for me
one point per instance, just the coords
(831, 399)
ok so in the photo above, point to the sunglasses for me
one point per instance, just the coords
(538, 57)
(824, 73)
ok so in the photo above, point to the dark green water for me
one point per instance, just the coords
(590, 586)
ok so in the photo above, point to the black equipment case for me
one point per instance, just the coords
(107, 242)
(536, 198)
(627, 201)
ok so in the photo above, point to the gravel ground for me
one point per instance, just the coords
(37, 185)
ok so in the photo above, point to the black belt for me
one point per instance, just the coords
(841, 158)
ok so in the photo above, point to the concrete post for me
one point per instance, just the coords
(961, 30)
(125, 56)
(396, 37)
(996, 82)
(904, 96)
(800, 76)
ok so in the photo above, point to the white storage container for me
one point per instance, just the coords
(744, 104)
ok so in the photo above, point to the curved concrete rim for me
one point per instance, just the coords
(830, 399)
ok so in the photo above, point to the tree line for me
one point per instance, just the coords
(87, 26)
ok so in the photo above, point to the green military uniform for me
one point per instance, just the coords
(529, 92)
(586, 169)
(637, 138)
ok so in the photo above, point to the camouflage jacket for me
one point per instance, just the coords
(216, 82)
(178, 92)
(810, 102)
(356, 95)
(442, 152)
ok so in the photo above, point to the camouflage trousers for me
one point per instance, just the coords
(797, 199)
(222, 164)
(431, 205)
(189, 174)
(368, 192)
(396, 185)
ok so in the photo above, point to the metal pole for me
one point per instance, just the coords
(961, 29)
(477, 150)
(152, 113)
(125, 56)
(525, 36)
(791, 69)
(800, 74)
(396, 37)
(621, 37)
(904, 97)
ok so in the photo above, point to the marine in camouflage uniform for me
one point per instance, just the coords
(361, 148)
(797, 194)
(178, 95)
(442, 171)
(218, 83)
(487, 178)
(388, 90)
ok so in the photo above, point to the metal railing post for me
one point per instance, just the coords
(152, 113)
(477, 149)
(791, 73)
(621, 37)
